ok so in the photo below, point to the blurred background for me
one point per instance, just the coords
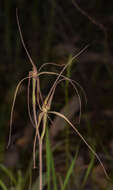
(54, 30)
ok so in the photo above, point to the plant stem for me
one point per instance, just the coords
(40, 165)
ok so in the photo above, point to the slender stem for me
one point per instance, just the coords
(28, 103)
(35, 116)
(79, 134)
(37, 124)
(12, 109)
(23, 43)
(40, 164)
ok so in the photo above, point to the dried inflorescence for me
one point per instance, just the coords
(45, 105)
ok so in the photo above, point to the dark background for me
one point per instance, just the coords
(53, 30)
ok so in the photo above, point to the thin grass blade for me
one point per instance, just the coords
(50, 163)
(69, 172)
(48, 160)
(2, 185)
(20, 181)
(8, 173)
(90, 166)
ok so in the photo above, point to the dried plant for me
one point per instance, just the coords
(45, 105)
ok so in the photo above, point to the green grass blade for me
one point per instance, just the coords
(20, 181)
(3, 186)
(88, 171)
(48, 160)
(50, 163)
(53, 173)
(69, 172)
(8, 173)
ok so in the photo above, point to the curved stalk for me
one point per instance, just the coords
(79, 134)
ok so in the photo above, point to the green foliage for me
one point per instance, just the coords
(8, 173)
(88, 171)
(70, 171)
(3, 186)
(51, 173)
